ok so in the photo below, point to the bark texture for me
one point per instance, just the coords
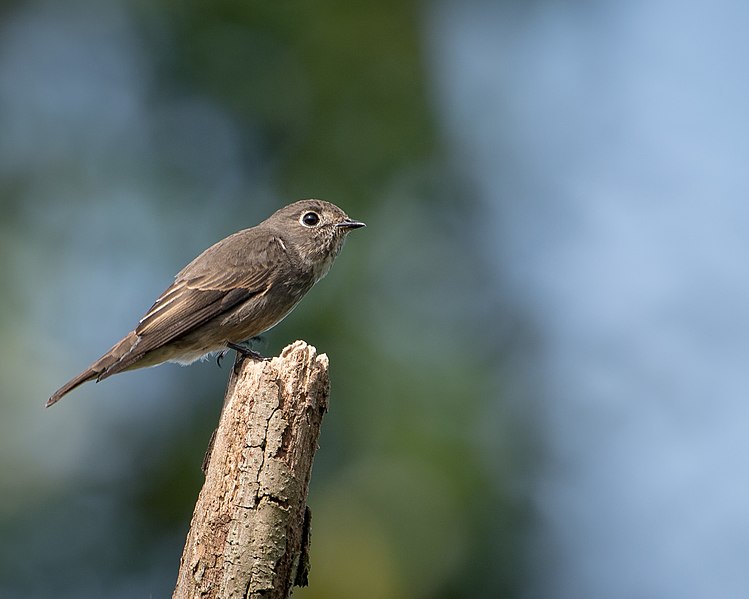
(250, 530)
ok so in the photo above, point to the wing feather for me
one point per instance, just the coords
(225, 275)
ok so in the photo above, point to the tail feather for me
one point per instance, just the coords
(86, 375)
(120, 357)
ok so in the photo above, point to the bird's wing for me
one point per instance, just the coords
(222, 277)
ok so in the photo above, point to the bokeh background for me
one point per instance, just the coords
(538, 346)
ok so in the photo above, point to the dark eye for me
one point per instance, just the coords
(310, 219)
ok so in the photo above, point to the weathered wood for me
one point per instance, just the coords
(249, 534)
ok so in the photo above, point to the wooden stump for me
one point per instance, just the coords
(250, 529)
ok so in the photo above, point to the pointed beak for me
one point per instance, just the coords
(349, 224)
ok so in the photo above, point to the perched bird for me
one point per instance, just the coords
(235, 290)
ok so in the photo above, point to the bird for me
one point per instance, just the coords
(235, 290)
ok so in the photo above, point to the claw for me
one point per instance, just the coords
(244, 352)
(220, 357)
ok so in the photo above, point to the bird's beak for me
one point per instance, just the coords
(350, 224)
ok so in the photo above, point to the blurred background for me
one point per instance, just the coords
(538, 345)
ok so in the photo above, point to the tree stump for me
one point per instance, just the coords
(250, 529)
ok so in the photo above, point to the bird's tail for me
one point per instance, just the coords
(87, 375)
(117, 359)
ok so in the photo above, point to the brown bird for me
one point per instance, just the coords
(235, 290)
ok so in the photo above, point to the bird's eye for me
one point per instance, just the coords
(310, 219)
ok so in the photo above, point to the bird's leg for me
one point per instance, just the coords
(245, 351)
(220, 357)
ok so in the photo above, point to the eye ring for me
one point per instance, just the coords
(310, 219)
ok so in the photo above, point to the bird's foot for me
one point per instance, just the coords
(244, 352)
